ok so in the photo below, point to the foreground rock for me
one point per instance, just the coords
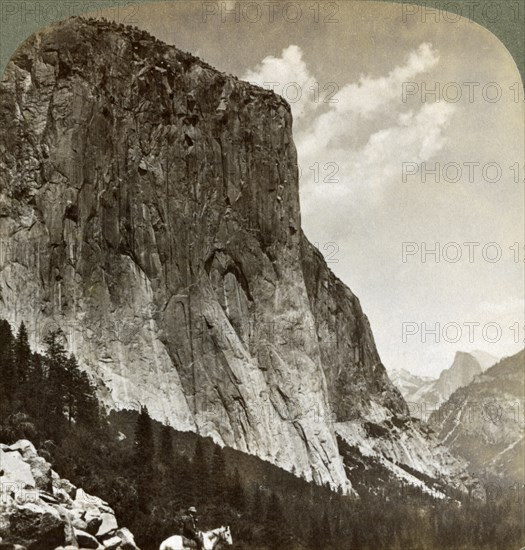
(41, 511)
(151, 211)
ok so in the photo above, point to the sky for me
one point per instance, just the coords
(381, 99)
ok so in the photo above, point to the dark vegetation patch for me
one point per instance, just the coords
(150, 473)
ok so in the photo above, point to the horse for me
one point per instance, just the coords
(210, 539)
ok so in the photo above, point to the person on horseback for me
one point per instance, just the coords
(189, 527)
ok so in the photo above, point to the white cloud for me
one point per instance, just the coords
(368, 95)
(391, 133)
(363, 100)
(288, 76)
(416, 137)
(366, 134)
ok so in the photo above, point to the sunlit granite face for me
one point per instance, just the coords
(150, 209)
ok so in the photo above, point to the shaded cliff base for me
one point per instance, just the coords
(268, 507)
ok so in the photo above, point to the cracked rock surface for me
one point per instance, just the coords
(149, 208)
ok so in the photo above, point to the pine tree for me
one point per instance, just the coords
(237, 497)
(85, 403)
(56, 362)
(276, 523)
(144, 444)
(201, 471)
(356, 538)
(22, 354)
(316, 535)
(326, 527)
(8, 378)
(219, 477)
(183, 481)
(166, 444)
(144, 452)
(257, 505)
(35, 404)
(70, 389)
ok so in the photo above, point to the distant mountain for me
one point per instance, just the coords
(463, 370)
(409, 384)
(486, 360)
(419, 390)
(484, 422)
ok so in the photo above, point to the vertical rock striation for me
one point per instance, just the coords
(150, 209)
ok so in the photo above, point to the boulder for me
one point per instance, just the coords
(112, 543)
(128, 540)
(37, 525)
(93, 525)
(24, 447)
(69, 531)
(85, 540)
(108, 525)
(64, 485)
(79, 523)
(41, 470)
(15, 471)
(85, 501)
(62, 496)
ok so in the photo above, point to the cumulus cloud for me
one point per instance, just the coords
(417, 137)
(361, 101)
(358, 142)
(390, 132)
(368, 95)
(289, 77)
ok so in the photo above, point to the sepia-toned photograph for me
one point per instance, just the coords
(262, 275)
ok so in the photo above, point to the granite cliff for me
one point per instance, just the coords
(150, 209)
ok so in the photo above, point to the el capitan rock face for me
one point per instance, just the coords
(151, 209)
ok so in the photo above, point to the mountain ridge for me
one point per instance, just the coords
(483, 422)
(424, 391)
